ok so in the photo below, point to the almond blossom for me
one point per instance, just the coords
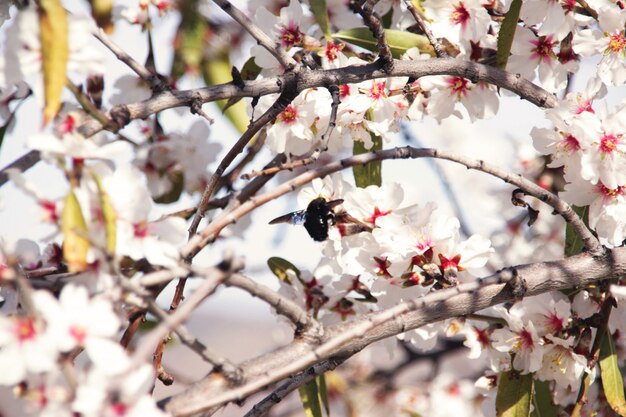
(530, 52)
(22, 57)
(25, 348)
(609, 42)
(459, 21)
(286, 29)
(76, 320)
(521, 339)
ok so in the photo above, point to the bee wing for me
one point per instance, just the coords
(334, 203)
(295, 217)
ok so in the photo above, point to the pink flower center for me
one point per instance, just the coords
(482, 337)
(617, 43)
(608, 143)
(555, 324)
(460, 15)
(568, 5)
(291, 36)
(526, 340)
(288, 115)
(377, 213)
(377, 91)
(609, 193)
(454, 390)
(344, 90)
(119, 409)
(344, 308)
(50, 211)
(450, 264)
(570, 144)
(79, 334)
(25, 329)
(67, 125)
(543, 49)
(332, 50)
(458, 85)
(381, 267)
(584, 105)
(140, 230)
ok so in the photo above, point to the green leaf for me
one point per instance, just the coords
(319, 10)
(178, 184)
(249, 71)
(399, 42)
(218, 70)
(543, 400)
(310, 399)
(371, 173)
(514, 394)
(612, 380)
(280, 266)
(323, 393)
(191, 37)
(573, 244)
(507, 33)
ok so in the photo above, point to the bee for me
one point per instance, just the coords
(320, 216)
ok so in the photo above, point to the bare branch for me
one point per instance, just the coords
(154, 81)
(284, 306)
(321, 78)
(373, 22)
(431, 38)
(538, 278)
(262, 408)
(213, 229)
(220, 363)
(279, 105)
(261, 37)
(23, 163)
(172, 321)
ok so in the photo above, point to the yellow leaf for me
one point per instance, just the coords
(74, 228)
(102, 10)
(109, 216)
(55, 52)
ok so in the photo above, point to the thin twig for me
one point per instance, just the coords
(261, 37)
(321, 78)
(284, 306)
(445, 184)
(560, 207)
(263, 407)
(431, 38)
(172, 322)
(374, 23)
(346, 339)
(332, 123)
(154, 81)
(279, 105)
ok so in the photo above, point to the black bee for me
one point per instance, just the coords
(319, 217)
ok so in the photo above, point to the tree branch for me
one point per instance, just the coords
(213, 229)
(322, 78)
(279, 105)
(155, 82)
(346, 339)
(284, 306)
(261, 37)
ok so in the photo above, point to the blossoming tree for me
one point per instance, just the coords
(322, 93)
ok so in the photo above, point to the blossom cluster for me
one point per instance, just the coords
(550, 41)
(384, 250)
(34, 343)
